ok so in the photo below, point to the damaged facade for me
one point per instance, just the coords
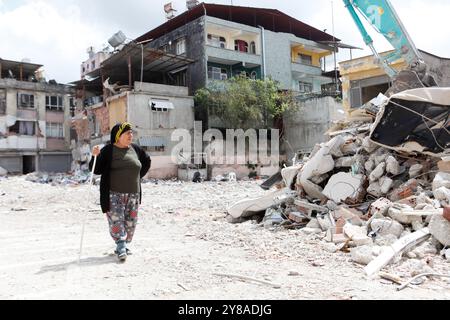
(34, 120)
(118, 90)
(363, 79)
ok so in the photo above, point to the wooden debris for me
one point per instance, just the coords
(392, 277)
(275, 285)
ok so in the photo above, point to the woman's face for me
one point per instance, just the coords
(126, 138)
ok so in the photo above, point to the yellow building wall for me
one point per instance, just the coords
(315, 56)
(359, 69)
(117, 110)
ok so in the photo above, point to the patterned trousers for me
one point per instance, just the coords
(123, 215)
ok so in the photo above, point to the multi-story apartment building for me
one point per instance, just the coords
(34, 120)
(228, 40)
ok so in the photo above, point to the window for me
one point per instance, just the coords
(216, 41)
(72, 106)
(215, 73)
(253, 47)
(304, 59)
(26, 128)
(305, 87)
(240, 45)
(54, 103)
(54, 130)
(181, 46)
(2, 101)
(93, 65)
(25, 100)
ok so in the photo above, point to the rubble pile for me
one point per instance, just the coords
(78, 177)
(374, 202)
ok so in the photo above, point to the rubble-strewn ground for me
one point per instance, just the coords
(182, 245)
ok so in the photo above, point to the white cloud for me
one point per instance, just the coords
(40, 32)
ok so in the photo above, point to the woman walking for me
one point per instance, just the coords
(121, 165)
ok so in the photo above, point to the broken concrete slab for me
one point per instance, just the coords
(3, 172)
(350, 215)
(384, 227)
(442, 179)
(330, 247)
(392, 166)
(248, 207)
(440, 229)
(380, 206)
(396, 213)
(415, 170)
(442, 194)
(344, 162)
(385, 184)
(357, 234)
(375, 189)
(378, 172)
(289, 174)
(402, 245)
(362, 255)
(369, 166)
(308, 208)
(313, 223)
(342, 186)
(368, 145)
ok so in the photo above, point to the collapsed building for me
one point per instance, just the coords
(378, 188)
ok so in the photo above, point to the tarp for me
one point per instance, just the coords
(415, 120)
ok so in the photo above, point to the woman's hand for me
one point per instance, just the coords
(96, 151)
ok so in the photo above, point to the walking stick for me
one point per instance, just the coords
(85, 215)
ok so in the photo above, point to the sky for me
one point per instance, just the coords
(56, 33)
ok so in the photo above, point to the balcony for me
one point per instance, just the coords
(231, 57)
(307, 69)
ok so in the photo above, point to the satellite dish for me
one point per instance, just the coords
(117, 39)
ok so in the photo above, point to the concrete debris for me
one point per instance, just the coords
(342, 186)
(377, 172)
(415, 170)
(3, 172)
(384, 227)
(362, 255)
(358, 235)
(392, 166)
(442, 179)
(440, 229)
(364, 193)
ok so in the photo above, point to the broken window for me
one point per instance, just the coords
(54, 130)
(304, 59)
(216, 41)
(240, 45)
(54, 103)
(72, 106)
(25, 100)
(27, 128)
(181, 46)
(215, 73)
(305, 87)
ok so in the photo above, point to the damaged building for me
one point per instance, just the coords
(363, 79)
(206, 43)
(128, 85)
(34, 120)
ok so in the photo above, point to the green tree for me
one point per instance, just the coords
(243, 103)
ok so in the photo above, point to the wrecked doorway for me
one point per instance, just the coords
(29, 164)
(364, 90)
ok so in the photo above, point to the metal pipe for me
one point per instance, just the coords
(263, 53)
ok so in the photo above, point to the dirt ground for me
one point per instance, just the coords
(183, 248)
